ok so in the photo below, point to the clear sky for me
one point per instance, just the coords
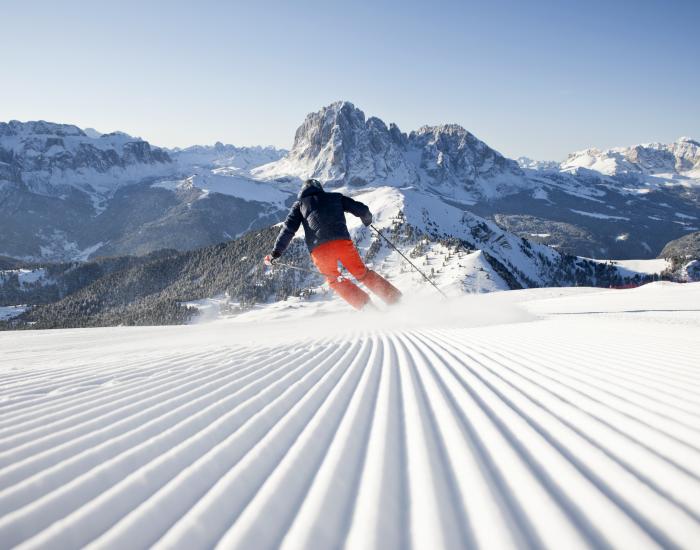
(536, 78)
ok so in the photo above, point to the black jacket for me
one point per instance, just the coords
(323, 217)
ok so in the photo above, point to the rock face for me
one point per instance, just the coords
(340, 147)
(52, 159)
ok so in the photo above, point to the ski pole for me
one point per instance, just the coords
(295, 267)
(409, 261)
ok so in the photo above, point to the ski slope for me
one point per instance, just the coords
(558, 418)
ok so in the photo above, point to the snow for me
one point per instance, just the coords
(229, 184)
(555, 418)
(85, 254)
(647, 267)
(598, 215)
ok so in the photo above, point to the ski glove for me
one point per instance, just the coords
(270, 258)
(367, 219)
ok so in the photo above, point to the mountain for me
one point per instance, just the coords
(530, 164)
(58, 159)
(225, 156)
(573, 207)
(339, 146)
(679, 161)
(684, 256)
(687, 246)
(66, 194)
(459, 251)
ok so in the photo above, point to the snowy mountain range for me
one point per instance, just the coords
(68, 194)
(679, 160)
(630, 209)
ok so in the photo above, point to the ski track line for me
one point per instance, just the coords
(630, 413)
(610, 479)
(684, 456)
(222, 505)
(636, 420)
(594, 371)
(188, 418)
(626, 400)
(147, 372)
(655, 390)
(101, 512)
(663, 365)
(133, 419)
(597, 430)
(650, 362)
(96, 406)
(431, 438)
(37, 386)
(131, 393)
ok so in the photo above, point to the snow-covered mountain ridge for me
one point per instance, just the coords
(66, 193)
(339, 146)
(576, 208)
(69, 194)
(223, 155)
(680, 158)
(50, 158)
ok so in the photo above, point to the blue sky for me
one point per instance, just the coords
(537, 78)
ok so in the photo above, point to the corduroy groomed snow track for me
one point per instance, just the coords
(582, 430)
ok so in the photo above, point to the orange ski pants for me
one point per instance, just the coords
(326, 257)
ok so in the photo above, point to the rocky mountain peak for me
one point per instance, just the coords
(340, 146)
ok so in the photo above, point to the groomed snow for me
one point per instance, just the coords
(559, 418)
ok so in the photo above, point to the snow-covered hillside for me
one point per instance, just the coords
(559, 418)
(494, 260)
(66, 193)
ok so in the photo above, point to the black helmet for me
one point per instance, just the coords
(313, 183)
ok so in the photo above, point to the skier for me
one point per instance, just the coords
(323, 216)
